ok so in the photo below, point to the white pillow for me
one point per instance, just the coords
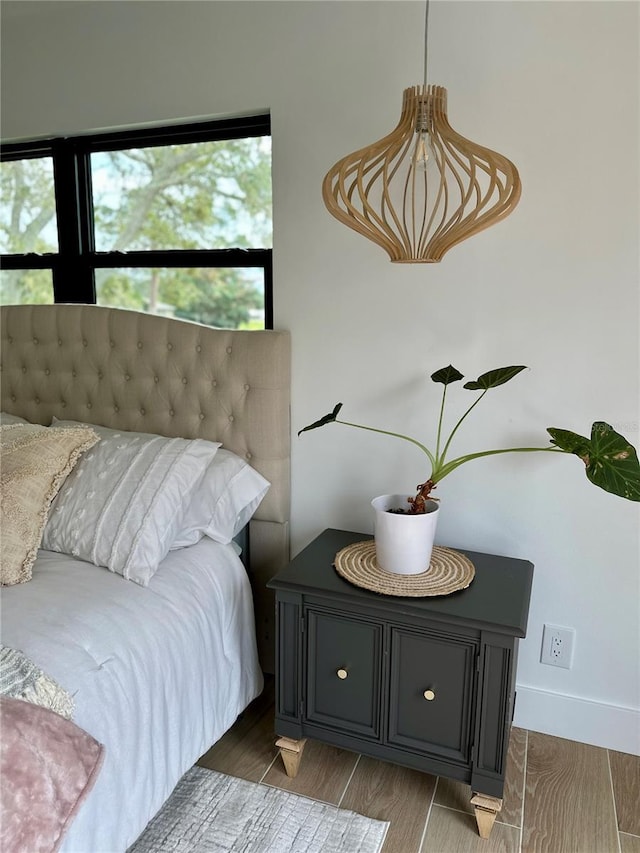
(224, 501)
(124, 503)
(8, 420)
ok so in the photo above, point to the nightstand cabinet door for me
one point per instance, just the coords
(344, 662)
(432, 686)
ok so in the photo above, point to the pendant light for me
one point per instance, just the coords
(423, 188)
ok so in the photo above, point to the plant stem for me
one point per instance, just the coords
(442, 472)
(455, 429)
(396, 434)
(444, 396)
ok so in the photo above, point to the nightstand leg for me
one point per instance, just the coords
(291, 752)
(486, 808)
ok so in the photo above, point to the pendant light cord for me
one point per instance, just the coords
(426, 41)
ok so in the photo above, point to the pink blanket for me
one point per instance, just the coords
(47, 766)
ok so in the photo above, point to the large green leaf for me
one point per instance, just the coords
(447, 375)
(611, 462)
(326, 419)
(493, 378)
(570, 442)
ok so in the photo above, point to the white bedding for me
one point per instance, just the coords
(158, 674)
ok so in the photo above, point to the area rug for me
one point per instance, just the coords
(210, 812)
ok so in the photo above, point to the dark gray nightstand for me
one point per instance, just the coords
(424, 682)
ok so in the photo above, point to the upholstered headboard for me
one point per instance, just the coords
(134, 371)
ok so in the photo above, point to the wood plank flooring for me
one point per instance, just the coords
(560, 796)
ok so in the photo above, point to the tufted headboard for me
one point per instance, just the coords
(134, 371)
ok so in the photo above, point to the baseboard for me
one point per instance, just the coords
(610, 726)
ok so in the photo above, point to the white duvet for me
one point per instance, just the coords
(157, 674)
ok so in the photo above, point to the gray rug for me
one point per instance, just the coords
(212, 813)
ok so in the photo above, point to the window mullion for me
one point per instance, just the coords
(183, 258)
(268, 291)
(73, 279)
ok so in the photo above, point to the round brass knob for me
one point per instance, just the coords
(342, 673)
(429, 695)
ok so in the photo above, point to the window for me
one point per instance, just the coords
(174, 221)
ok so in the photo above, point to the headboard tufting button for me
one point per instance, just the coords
(198, 348)
(47, 372)
(249, 455)
(37, 400)
(24, 369)
(74, 374)
(63, 405)
(59, 342)
(231, 418)
(116, 409)
(89, 405)
(127, 377)
(112, 344)
(13, 398)
(85, 342)
(156, 379)
(142, 412)
(228, 350)
(246, 387)
(171, 412)
(214, 382)
(139, 344)
(169, 346)
(36, 341)
(184, 380)
(100, 374)
(201, 416)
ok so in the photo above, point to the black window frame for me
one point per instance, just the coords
(73, 266)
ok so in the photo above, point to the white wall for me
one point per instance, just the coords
(552, 85)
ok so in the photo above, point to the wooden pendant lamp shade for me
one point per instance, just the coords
(423, 188)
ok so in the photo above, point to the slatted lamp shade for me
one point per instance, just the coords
(423, 188)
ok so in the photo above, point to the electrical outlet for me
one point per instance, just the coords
(557, 646)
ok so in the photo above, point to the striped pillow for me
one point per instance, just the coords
(125, 502)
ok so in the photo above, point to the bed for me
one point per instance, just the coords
(158, 672)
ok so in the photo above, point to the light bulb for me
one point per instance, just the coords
(423, 155)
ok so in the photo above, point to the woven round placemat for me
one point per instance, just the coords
(448, 572)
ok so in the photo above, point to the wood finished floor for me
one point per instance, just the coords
(560, 796)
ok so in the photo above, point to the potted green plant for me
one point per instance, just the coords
(611, 463)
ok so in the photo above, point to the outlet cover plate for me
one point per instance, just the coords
(557, 646)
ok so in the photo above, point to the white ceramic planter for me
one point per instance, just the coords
(403, 542)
